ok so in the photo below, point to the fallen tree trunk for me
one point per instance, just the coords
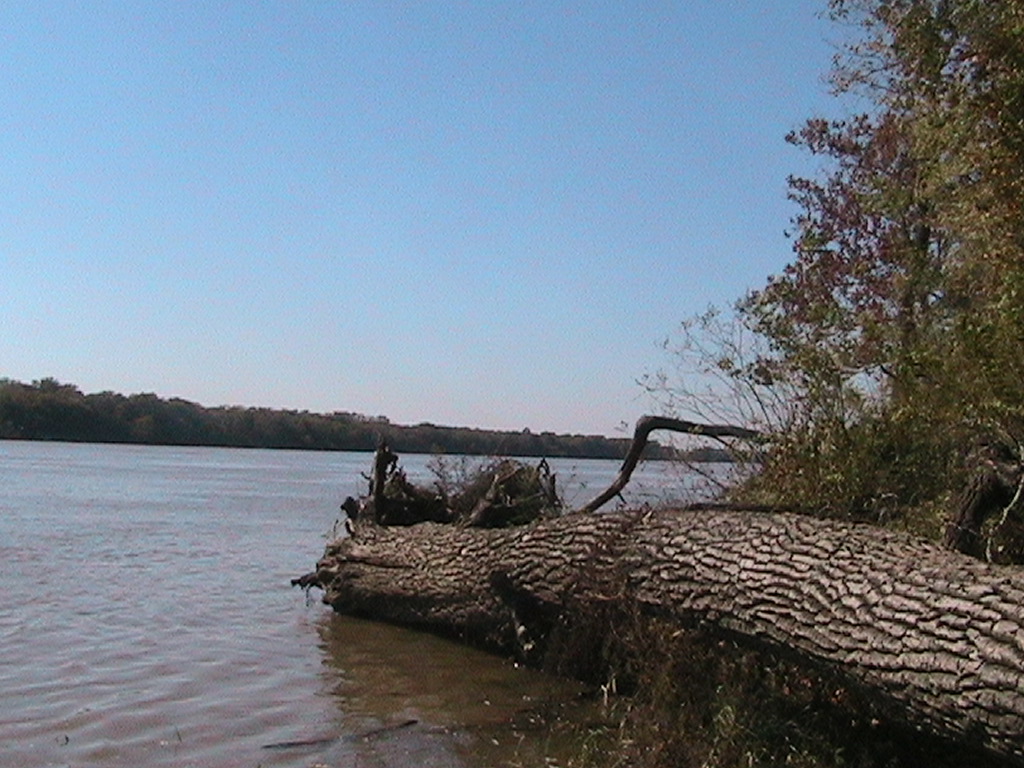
(936, 634)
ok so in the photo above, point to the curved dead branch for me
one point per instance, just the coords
(644, 426)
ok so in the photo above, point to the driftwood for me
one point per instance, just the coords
(503, 492)
(933, 635)
(938, 635)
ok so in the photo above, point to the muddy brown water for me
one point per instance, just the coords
(146, 620)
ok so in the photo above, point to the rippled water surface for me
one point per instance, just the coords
(146, 619)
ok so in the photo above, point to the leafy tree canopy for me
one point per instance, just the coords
(891, 344)
(50, 410)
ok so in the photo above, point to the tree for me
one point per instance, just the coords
(895, 333)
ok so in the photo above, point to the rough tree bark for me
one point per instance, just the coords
(937, 634)
(934, 635)
(987, 522)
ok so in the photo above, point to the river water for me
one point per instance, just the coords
(146, 619)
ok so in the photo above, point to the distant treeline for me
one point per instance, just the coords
(51, 410)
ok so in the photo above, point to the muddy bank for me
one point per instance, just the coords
(411, 698)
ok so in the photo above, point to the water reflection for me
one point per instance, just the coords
(471, 708)
(146, 619)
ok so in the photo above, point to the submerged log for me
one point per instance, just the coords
(937, 635)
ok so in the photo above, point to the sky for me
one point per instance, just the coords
(483, 214)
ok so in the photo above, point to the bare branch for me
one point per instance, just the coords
(647, 424)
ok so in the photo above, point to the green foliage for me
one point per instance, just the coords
(891, 345)
(50, 410)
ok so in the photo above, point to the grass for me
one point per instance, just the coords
(691, 698)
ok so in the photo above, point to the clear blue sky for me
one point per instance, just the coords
(470, 213)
